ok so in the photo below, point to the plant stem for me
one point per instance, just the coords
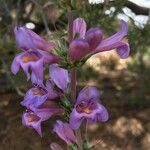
(86, 130)
(70, 26)
(73, 75)
(73, 84)
(79, 139)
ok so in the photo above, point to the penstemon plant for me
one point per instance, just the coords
(57, 95)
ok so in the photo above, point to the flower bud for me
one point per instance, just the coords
(78, 49)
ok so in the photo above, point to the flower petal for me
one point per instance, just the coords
(55, 146)
(52, 94)
(37, 75)
(26, 68)
(113, 41)
(23, 39)
(60, 77)
(46, 113)
(99, 114)
(27, 39)
(78, 49)
(36, 123)
(15, 66)
(94, 37)
(123, 50)
(36, 99)
(102, 114)
(64, 131)
(79, 27)
(48, 57)
(88, 93)
(75, 119)
(39, 42)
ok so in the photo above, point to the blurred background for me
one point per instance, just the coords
(124, 84)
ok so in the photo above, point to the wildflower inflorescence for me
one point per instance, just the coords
(53, 96)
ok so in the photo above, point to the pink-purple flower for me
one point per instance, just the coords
(92, 41)
(34, 118)
(37, 95)
(87, 107)
(65, 132)
(55, 87)
(33, 60)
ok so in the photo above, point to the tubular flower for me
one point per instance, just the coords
(60, 77)
(26, 39)
(34, 118)
(92, 42)
(65, 132)
(87, 107)
(37, 95)
(55, 146)
(34, 60)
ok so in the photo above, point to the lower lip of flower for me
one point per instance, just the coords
(30, 57)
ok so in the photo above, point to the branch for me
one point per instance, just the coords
(138, 10)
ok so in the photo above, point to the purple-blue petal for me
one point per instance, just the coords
(94, 37)
(75, 119)
(36, 124)
(123, 50)
(26, 39)
(65, 132)
(40, 42)
(23, 39)
(52, 93)
(46, 113)
(34, 100)
(99, 114)
(60, 77)
(88, 93)
(15, 66)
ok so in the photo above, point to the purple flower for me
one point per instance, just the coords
(34, 60)
(65, 132)
(34, 118)
(55, 146)
(59, 76)
(37, 95)
(27, 39)
(92, 42)
(87, 107)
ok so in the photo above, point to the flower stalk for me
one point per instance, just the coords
(73, 75)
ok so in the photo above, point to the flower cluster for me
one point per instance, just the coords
(52, 96)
